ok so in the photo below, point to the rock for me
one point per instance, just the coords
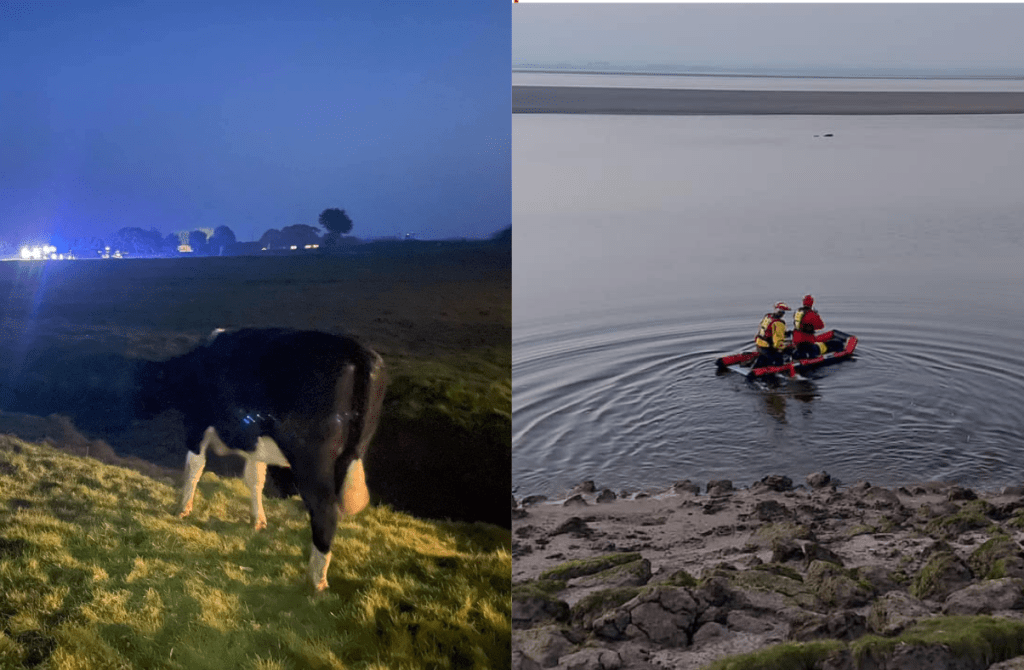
(530, 610)
(960, 493)
(836, 587)
(686, 487)
(812, 551)
(606, 496)
(775, 483)
(786, 549)
(1011, 664)
(771, 510)
(746, 622)
(533, 500)
(999, 557)
(844, 625)
(521, 661)
(895, 611)
(659, 625)
(860, 486)
(575, 526)
(591, 659)
(710, 631)
(880, 577)
(520, 514)
(943, 574)
(1013, 491)
(612, 625)
(584, 487)
(636, 573)
(542, 645)
(819, 480)
(987, 597)
(715, 505)
(514, 503)
(881, 497)
(720, 487)
(663, 615)
(575, 501)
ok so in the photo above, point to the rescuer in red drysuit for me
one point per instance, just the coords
(805, 322)
(771, 337)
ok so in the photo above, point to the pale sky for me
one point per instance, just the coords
(975, 37)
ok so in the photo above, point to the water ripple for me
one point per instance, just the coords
(636, 402)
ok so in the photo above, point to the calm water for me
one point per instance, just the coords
(645, 247)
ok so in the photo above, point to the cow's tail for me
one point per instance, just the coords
(360, 401)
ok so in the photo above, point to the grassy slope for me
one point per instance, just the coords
(96, 571)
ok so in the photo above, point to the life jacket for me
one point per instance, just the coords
(798, 321)
(765, 337)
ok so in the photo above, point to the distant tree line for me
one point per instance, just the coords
(219, 241)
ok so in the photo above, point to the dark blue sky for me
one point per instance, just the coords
(178, 115)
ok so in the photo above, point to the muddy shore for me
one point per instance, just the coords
(609, 100)
(776, 575)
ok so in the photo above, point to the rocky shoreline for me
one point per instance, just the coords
(774, 576)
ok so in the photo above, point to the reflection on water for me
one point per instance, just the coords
(648, 247)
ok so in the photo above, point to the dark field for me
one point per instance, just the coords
(439, 313)
(595, 100)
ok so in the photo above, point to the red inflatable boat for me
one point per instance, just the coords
(840, 347)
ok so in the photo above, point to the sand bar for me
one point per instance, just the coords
(654, 101)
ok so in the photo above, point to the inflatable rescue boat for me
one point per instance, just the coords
(839, 347)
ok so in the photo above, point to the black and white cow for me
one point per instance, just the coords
(300, 399)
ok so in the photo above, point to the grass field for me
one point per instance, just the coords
(97, 572)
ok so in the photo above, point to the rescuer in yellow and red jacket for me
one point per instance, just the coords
(771, 337)
(805, 322)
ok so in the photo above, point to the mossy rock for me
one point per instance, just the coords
(838, 587)
(999, 557)
(765, 535)
(796, 592)
(941, 575)
(781, 570)
(537, 588)
(634, 573)
(972, 516)
(597, 603)
(589, 566)
(862, 529)
(681, 578)
(983, 639)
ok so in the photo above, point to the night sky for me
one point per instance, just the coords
(181, 115)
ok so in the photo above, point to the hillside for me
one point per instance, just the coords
(97, 572)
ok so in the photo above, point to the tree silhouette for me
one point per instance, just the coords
(299, 235)
(335, 220)
(197, 240)
(222, 238)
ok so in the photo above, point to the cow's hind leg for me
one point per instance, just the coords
(255, 477)
(194, 465)
(322, 504)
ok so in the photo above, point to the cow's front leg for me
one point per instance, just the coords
(255, 477)
(194, 465)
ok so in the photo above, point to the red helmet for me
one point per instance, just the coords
(808, 300)
(781, 307)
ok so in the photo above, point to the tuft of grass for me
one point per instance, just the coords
(97, 571)
(981, 638)
(786, 656)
